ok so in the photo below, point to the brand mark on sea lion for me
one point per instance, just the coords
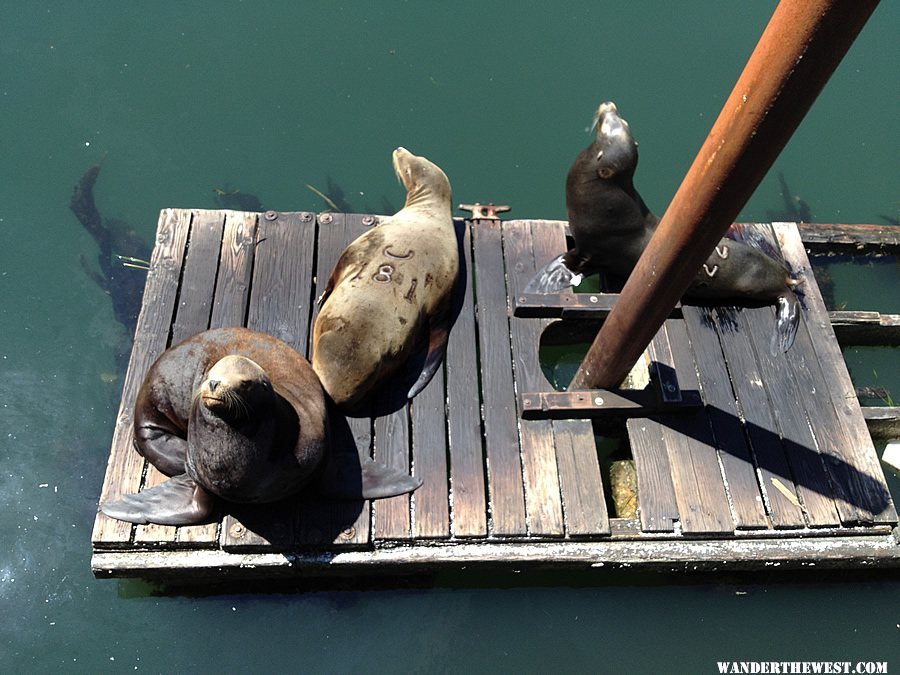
(409, 254)
(384, 275)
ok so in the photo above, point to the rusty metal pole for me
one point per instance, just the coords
(797, 53)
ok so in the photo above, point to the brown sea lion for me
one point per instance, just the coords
(390, 287)
(237, 415)
(611, 226)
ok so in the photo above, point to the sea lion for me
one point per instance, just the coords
(390, 286)
(611, 226)
(237, 415)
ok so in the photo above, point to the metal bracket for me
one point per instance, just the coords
(484, 211)
(596, 403)
(663, 395)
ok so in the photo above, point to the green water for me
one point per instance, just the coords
(176, 99)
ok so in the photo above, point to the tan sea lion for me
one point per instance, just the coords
(611, 226)
(237, 415)
(390, 287)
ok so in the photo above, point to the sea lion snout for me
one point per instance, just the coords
(422, 178)
(616, 147)
(234, 387)
(605, 107)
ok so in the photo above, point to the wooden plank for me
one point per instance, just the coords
(392, 447)
(123, 473)
(431, 501)
(282, 293)
(543, 503)
(741, 484)
(319, 521)
(699, 489)
(195, 297)
(759, 424)
(198, 281)
(235, 270)
(279, 304)
(657, 503)
(504, 467)
(883, 422)
(861, 491)
(829, 431)
(858, 239)
(465, 439)
(581, 485)
(198, 277)
(861, 551)
(865, 328)
(810, 479)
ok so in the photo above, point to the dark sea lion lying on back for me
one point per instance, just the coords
(611, 226)
(237, 415)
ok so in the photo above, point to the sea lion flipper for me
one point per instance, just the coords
(380, 480)
(349, 475)
(162, 447)
(178, 501)
(437, 347)
(554, 277)
(787, 319)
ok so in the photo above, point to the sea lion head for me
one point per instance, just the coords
(235, 389)
(616, 148)
(421, 178)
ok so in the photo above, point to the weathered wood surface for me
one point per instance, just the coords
(865, 328)
(819, 237)
(125, 467)
(464, 429)
(506, 493)
(760, 453)
(561, 469)
(883, 421)
(865, 551)
(861, 492)
(708, 341)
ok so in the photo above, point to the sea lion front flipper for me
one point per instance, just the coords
(554, 277)
(437, 347)
(162, 447)
(178, 501)
(787, 319)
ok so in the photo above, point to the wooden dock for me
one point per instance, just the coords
(743, 460)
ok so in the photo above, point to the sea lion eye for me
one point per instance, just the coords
(606, 172)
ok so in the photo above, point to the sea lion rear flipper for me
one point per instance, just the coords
(437, 347)
(380, 480)
(178, 501)
(787, 319)
(554, 277)
(364, 479)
